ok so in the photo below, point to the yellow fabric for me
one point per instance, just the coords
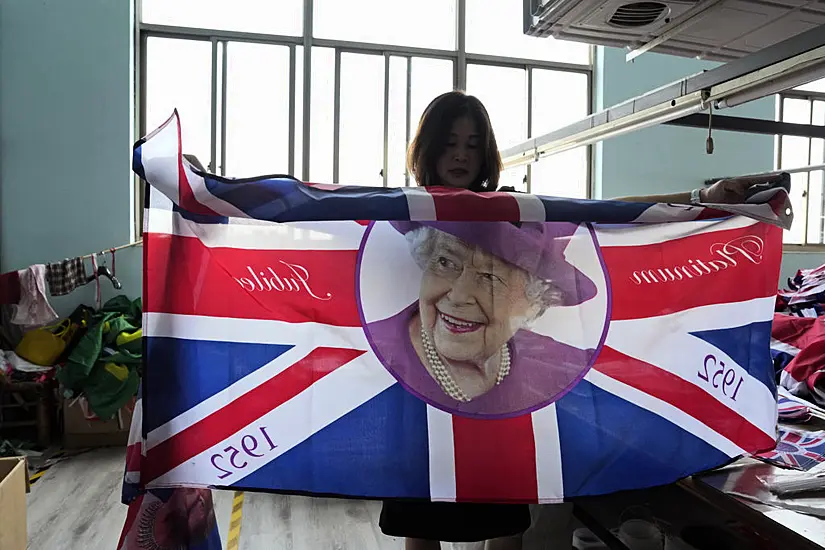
(43, 346)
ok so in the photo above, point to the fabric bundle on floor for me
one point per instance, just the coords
(103, 364)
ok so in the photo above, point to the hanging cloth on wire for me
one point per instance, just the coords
(63, 277)
(33, 309)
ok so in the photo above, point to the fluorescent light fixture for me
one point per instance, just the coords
(775, 86)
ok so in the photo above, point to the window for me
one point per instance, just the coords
(805, 105)
(496, 27)
(236, 76)
(179, 76)
(503, 90)
(257, 120)
(419, 23)
(284, 17)
(558, 99)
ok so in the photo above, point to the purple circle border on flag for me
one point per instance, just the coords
(527, 410)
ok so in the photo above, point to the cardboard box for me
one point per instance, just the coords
(81, 432)
(14, 484)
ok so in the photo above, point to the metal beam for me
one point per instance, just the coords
(750, 125)
(689, 95)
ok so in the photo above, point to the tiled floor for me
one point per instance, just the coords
(76, 505)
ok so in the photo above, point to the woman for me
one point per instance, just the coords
(469, 348)
(455, 147)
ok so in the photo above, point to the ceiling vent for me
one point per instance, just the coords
(638, 14)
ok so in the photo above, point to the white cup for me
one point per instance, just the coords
(638, 534)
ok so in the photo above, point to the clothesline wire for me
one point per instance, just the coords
(115, 249)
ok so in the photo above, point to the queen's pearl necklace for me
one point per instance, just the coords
(445, 378)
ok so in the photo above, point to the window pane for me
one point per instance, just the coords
(430, 78)
(503, 91)
(179, 76)
(397, 142)
(795, 153)
(361, 141)
(264, 16)
(559, 99)
(321, 115)
(257, 109)
(816, 197)
(495, 27)
(815, 86)
(424, 23)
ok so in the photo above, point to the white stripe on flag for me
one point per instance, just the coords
(548, 455)
(253, 331)
(531, 209)
(653, 340)
(159, 166)
(442, 455)
(251, 234)
(227, 395)
(643, 235)
(292, 423)
(420, 204)
(665, 410)
(778, 345)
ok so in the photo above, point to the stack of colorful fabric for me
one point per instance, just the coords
(103, 365)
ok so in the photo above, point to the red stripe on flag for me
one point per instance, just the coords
(495, 459)
(244, 410)
(462, 205)
(705, 269)
(184, 276)
(685, 396)
(186, 198)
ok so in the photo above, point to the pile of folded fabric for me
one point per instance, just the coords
(103, 366)
(798, 335)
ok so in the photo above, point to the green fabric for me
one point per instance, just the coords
(107, 390)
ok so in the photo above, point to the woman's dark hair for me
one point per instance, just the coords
(434, 132)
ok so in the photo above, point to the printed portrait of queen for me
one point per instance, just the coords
(466, 343)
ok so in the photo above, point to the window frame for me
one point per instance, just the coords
(220, 38)
(801, 217)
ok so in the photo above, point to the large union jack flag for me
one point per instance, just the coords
(265, 370)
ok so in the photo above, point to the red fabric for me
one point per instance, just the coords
(9, 288)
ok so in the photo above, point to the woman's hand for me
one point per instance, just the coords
(735, 190)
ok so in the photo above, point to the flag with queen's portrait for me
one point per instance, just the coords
(439, 344)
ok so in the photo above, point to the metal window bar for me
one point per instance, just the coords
(225, 56)
(336, 119)
(808, 174)
(307, 88)
(213, 110)
(529, 176)
(408, 122)
(386, 160)
(292, 93)
(460, 67)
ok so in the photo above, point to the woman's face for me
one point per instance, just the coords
(460, 162)
(470, 301)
